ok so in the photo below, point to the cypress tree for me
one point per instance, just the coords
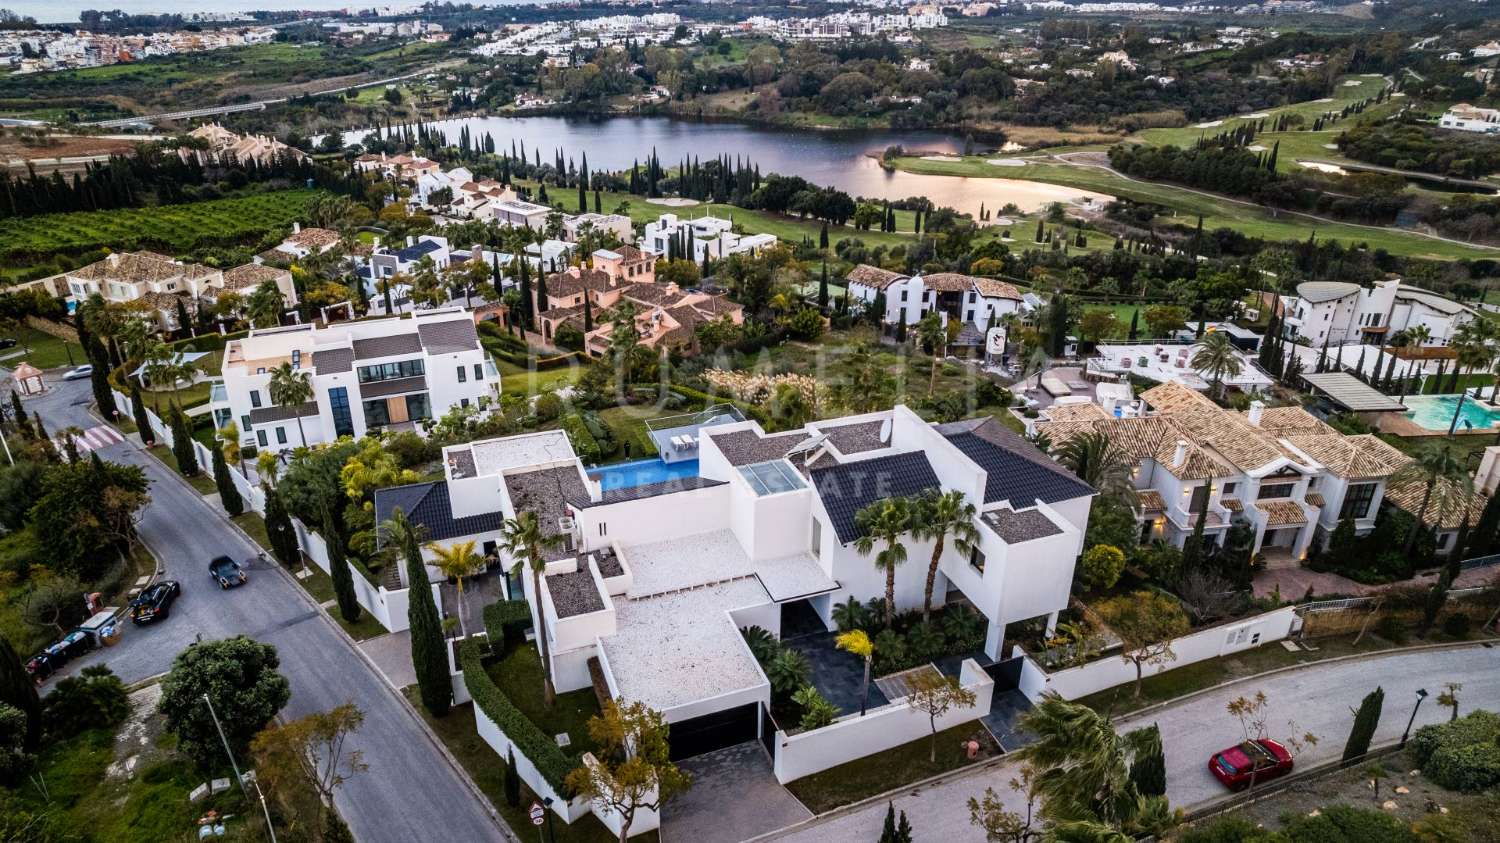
(1435, 598)
(37, 429)
(512, 781)
(526, 300)
(588, 312)
(338, 569)
(279, 528)
(18, 413)
(1148, 772)
(18, 690)
(1365, 721)
(1038, 231)
(138, 410)
(541, 292)
(823, 237)
(823, 287)
(1483, 540)
(888, 830)
(99, 379)
(1135, 320)
(427, 648)
(182, 445)
(901, 328)
(229, 496)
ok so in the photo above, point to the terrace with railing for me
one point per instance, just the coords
(676, 437)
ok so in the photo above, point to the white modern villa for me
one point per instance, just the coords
(1286, 474)
(1340, 313)
(971, 299)
(710, 235)
(379, 373)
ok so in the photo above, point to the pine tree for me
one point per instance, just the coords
(229, 496)
(1365, 721)
(338, 570)
(138, 410)
(182, 445)
(1148, 772)
(279, 527)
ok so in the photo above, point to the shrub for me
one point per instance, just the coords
(1460, 755)
(539, 748)
(1229, 829)
(1457, 625)
(584, 443)
(93, 700)
(1345, 824)
(816, 711)
(1392, 629)
(1100, 567)
(548, 407)
(506, 621)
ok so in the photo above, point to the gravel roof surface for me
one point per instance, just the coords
(493, 456)
(744, 447)
(1018, 527)
(857, 437)
(574, 594)
(546, 492)
(609, 563)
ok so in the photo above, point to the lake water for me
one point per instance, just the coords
(830, 158)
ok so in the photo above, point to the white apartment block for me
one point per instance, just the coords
(696, 237)
(1280, 470)
(156, 284)
(1340, 313)
(967, 298)
(376, 374)
(1469, 118)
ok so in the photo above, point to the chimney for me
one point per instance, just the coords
(1179, 456)
(296, 227)
(411, 240)
(1256, 408)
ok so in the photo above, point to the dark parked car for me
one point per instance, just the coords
(1263, 759)
(155, 603)
(7, 342)
(227, 572)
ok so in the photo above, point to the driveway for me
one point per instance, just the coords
(734, 797)
(1317, 697)
(410, 788)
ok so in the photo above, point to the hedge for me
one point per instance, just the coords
(584, 443)
(1463, 754)
(507, 621)
(542, 750)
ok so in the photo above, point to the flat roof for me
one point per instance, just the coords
(1351, 393)
(492, 456)
(716, 556)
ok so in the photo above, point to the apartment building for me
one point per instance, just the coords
(1279, 470)
(1341, 313)
(156, 284)
(1469, 118)
(227, 146)
(377, 374)
(970, 299)
(693, 238)
(655, 581)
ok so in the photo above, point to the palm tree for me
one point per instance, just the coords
(885, 521)
(937, 517)
(522, 538)
(790, 407)
(1472, 343)
(290, 388)
(935, 337)
(458, 560)
(1217, 357)
(856, 641)
(1100, 463)
(1083, 763)
(1444, 479)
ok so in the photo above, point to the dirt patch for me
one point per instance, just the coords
(17, 152)
(136, 741)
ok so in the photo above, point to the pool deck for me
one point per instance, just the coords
(1399, 425)
(625, 475)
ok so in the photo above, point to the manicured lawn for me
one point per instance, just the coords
(628, 424)
(46, 351)
(519, 677)
(203, 481)
(487, 769)
(255, 527)
(317, 583)
(903, 765)
(364, 628)
(527, 382)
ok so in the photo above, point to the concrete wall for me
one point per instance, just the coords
(853, 736)
(654, 519)
(1210, 643)
(569, 811)
(388, 607)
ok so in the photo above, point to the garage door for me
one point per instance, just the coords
(714, 731)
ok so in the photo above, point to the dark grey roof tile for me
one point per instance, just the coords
(373, 347)
(449, 336)
(395, 386)
(333, 360)
(282, 412)
(847, 488)
(428, 505)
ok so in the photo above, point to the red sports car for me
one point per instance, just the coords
(1263, 759)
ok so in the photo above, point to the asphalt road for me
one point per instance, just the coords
(1318, 698)
(410, 791)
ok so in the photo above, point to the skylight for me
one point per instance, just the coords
(771, 478)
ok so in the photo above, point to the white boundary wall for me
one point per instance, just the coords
(852, 736)
(1112, 670)
(570, 811)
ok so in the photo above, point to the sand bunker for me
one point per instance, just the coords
(1256, 148)
(1330, 146)
(1259, 115)
(1002, 221)
(953, 158)
(1353, 83)
(1006, 162)
(1332, 169)
(1325, 99)
(1209, 125)
(672, 202)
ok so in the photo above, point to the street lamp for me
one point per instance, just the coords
(1421, 695)
(551, 835)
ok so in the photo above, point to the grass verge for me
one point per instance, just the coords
(41, 350)
(201, 482)
(896, 767)
(519, 677)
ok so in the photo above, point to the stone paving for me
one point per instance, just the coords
(735, 796)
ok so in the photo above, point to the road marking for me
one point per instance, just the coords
(93, 439)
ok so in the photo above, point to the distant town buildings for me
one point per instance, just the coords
(1469, 118)
(225, 146)
(37, 51)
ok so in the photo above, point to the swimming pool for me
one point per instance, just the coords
(641, 472)
(1435, 412)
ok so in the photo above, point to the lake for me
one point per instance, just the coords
(828, 158)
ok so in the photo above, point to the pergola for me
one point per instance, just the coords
(29, 379)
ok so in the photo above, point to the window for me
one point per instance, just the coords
(417, 407)
(1357, 500)
(903, 295)
(976, 559)
(260, 436)
(245, 423)
(1200, 498)
(817, 537)
(463, 402)
(280, 436)
(392, 371)
(338, 402)
(255, 398)
(376, 414)
(1275, 490)
(1442, 541)
(478, 371)
(1228, 488)
(296, 358)
(463, 375)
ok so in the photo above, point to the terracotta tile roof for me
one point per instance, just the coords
(575, 280)
(1228, 434)
(948, 282)
(1231, 504)
(717, 305)
(1083, 411)
(165, 301)
(251, 275)
(1286, 420)
(1315, 499)
(131, 267)
(1281, 513)
(314, 237)
(1409, 495)
(1151, 500)
(631, 254)
(873, 276)
(1351, 457)
(991, 288)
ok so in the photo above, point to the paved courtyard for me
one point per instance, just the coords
(734, 797)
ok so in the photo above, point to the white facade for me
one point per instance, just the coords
(1337, 313)
(382, 373)
(1468, 118)
(713, 236)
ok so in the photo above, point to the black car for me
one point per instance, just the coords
(227, 572)
(155, 603)
(7, 342)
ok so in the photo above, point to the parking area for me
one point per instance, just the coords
(734, 796)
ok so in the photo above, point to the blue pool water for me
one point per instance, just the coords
(1435, 412)
(641, 472)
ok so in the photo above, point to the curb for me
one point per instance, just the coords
(432, 738)
(1394, 651)
(1232, 801)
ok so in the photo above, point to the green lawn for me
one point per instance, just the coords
(1217, 212)
(519, 677)
(519, 381)
(883, 771)
(457, 732)
(203, 481)
(628, 424)
(41, 350)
